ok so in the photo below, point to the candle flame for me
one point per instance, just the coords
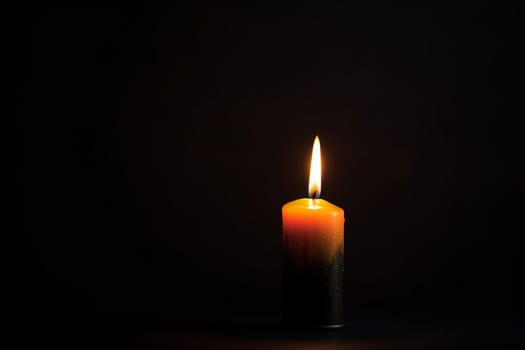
(314, 184)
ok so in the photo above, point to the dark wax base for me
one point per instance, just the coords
(293, 325)
(313, 295)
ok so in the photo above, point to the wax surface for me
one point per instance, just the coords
(313, 263)
(313, 231)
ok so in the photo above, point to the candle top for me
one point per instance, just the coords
(317, 205)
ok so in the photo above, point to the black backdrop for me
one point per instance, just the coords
(156, 146)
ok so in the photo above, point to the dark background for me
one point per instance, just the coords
(155, 147)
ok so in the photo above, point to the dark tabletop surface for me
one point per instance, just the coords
(270, 334)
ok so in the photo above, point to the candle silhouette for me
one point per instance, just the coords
(313, 256)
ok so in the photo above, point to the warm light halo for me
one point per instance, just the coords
(314, 183)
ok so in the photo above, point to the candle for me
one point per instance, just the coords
(313, 264)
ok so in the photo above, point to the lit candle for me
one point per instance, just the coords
(313, 247)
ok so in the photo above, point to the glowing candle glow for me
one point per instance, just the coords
(313, 251)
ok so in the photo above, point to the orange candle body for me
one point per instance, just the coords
(313, 231)
(313, 263)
